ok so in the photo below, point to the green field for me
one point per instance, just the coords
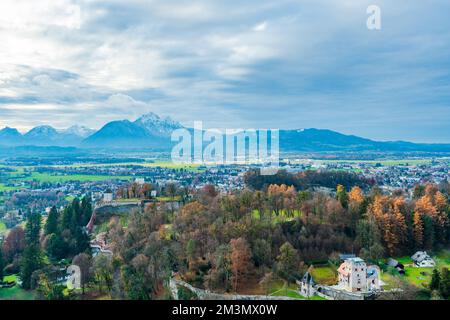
(4, 188)
(26, 174)
(15, 293)
(324, 275)
(156, 164)
(45, 177)
(405, 260)
(280, 288)
(419, 277)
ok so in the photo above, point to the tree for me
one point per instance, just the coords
(342, 195)
(171, 190)
(32, 257)
(356, 195)
(48, 289)
(51, 226)
(435, 280)
(444, 287)
(368, 237)
(103, 271)
(86, 210)
(84, 262)
(190, 252)
(240, 260)
(56, 247)
(266, 281)
(419, 191)
(33, 229)
(261, 252)
(2, 263)
(288, 262)
(418, 230)
(14, 244)
(219, 275)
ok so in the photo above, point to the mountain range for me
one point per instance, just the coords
(153, 132)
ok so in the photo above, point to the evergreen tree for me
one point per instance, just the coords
(86, 210)
(51, 226)
(444, 287)
(32, 256)
(33, 229)
(56, 247)
(435, 280)
(82, 241)
(342, 195)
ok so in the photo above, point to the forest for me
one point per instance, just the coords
(227, 242)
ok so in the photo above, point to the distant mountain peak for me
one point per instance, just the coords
(10, 136)
(80, 131)
(42, 130)
(156, 125)
(10, 130)
(150, 116)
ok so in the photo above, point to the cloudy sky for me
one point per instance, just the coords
(230, 63)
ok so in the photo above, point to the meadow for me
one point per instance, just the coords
(15, 293)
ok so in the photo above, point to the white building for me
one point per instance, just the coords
(108, 197)
(423, 260)
(140, 181)
(356, 276)
(307, 286)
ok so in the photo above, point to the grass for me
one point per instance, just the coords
(2, 227)
(405, 260)
(389, 280)
(420, 277)
(27, 174)
(282, 216)
(5, 188)
(443, 259)
(10, 278)
(69, 198)
(161, 164)
(127, 200)
(324, 275)
(168, 199)
(103, 227)
(15, 293)
(279, 288)
(45, 177)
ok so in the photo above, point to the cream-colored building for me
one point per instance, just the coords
(356, 276)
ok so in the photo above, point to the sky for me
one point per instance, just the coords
(232, 64)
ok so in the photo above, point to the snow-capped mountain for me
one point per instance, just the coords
(152, 131)
(77, 130)
(156, 125)
(45, 136)
(149, 130)
(41, 132)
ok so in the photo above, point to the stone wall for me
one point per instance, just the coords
(208, 295)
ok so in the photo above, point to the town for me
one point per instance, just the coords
(122, 190)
